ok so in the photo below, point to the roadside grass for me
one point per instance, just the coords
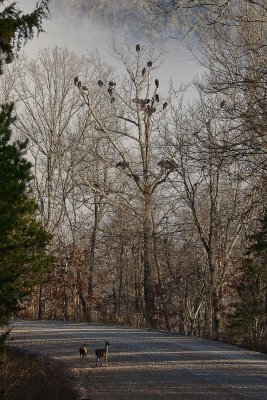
(26, 377)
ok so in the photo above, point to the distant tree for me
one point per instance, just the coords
(128, 14)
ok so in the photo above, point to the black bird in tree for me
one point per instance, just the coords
(167, 164)
(76, 79)
(112, 84)
(100, 83)
(149, 64)
(122, 164)
(110, 91)
(84, 88)
(112, 99)
(165, 105)
(137, 48)
(157, 97)
(143, 71)
(79, 84)
(157, 83)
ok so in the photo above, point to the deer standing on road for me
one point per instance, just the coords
(83, 353)
(101, 353)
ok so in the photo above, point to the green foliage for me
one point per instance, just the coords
(17, 28)
(259, 245)
(23, 241)
(250, 320)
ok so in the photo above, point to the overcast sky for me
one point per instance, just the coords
(83, 35)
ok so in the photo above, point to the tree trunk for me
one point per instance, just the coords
(92, 262)
(41, 303)
(149, 296)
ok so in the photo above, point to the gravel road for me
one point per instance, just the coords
(145, 364)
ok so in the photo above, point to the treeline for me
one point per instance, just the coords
(156, 205)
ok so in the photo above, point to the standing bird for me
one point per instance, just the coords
(157, 97)
(143, 71)
(100, 83)
(149, 64)
(137, 48)
(110, 91)
(165, 105)
(157, 83)
(76, 79)
(79, 84)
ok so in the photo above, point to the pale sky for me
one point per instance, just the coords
(84, 35)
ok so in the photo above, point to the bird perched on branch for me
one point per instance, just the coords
(100, 83)
(149, 64)
(76, 80)
(137, 48)
(165, 105)
(143, 71)
(167, 165)
(122, 164)
(157, 83)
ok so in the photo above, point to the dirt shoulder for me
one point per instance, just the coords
(26, 376)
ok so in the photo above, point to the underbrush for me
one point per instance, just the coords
(25, 377)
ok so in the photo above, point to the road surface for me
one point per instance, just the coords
(145, 364)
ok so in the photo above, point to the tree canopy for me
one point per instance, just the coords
(17, 28)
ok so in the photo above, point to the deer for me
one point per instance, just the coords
(83, 353)
(101, 353)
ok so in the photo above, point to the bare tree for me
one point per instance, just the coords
(130, 126)
(49, 114)
(52, 117)
(218, 190)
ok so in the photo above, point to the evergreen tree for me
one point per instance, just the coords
(23, 241)
(250, 319)
(17, 28)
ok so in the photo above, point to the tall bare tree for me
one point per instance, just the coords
(135, 108)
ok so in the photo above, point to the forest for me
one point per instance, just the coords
(155, 203)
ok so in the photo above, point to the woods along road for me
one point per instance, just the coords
(144, 364)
